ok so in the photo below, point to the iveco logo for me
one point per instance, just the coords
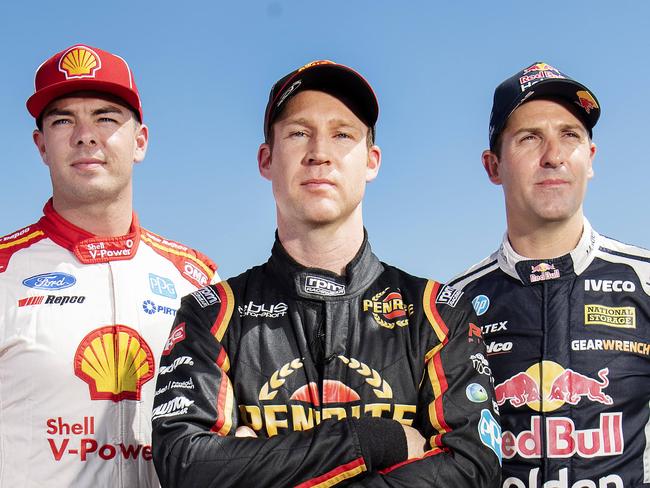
(50, 281)
(609, 285)
(323, 286)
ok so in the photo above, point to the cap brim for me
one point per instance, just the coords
(335, 79)
(41, 99)
(560, 88)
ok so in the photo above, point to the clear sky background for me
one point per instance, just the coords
(204, 70)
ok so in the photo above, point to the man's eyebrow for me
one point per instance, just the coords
(107, 109)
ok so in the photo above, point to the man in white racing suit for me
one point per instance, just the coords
(86, 294)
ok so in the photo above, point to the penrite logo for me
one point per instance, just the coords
(323, 286)
(388, 309)
(50, 281)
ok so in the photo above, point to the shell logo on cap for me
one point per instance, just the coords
(115, 362)
(79, 62)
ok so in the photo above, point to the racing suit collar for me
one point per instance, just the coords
(320, 284)
(532, 271)
(87, 247)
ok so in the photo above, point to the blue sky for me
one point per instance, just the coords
(204, 70)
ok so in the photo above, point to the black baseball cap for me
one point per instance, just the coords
(335, 79)
(540, 80)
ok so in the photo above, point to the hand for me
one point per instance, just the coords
(414, 442)
(245, 431)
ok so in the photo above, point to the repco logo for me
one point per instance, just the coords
(499, 347)
(608, 286)
(322, 286)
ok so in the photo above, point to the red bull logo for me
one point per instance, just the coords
(540, 67)
(557, 387)
(571, 387)
(587, 101)
(563, 440)
(543, 272)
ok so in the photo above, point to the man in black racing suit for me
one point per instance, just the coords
(564, 311)
(324, 366)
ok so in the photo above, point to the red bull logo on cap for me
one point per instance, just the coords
(540, 67)
(79, 62)
(546, 386)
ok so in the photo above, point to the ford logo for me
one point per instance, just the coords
(50, 281)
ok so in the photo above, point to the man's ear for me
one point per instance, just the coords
(264, 160)
(491, 165)
(38, 138)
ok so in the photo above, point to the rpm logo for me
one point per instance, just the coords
(318, 285)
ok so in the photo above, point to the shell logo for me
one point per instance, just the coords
(79, 62)
(115, 361)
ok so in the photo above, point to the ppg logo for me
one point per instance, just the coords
(490, 432)
(162, 286)
(481, 304)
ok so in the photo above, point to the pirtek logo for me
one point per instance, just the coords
(322, 286)
(51, 300)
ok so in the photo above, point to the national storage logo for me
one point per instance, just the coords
(621, 317)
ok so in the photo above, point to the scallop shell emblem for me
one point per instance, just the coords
(115, 361)
(79, 62)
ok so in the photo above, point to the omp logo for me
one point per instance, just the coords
(449, 295)
(115, 361)
(206, 297)
(195, 273)
(608, 286)
(322, 286)
(176, 406)
(620, 317)
(50, 281)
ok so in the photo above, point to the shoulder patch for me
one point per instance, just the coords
(195, 267)
(11, 243)
(206, 296)
(448, 295)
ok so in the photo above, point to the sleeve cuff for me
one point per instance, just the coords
(382, 441)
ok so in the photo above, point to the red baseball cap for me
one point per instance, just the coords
(81, 68)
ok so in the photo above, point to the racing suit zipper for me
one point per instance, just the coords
(545, 291)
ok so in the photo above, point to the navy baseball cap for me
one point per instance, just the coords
(540, 80)
(335, 79)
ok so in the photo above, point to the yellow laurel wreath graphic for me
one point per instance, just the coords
(381, 388)
(382, 322)
(277, 379)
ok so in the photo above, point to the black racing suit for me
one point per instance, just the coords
(582, 323)
(310, 360)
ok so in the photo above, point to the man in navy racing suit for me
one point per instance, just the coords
(324, 366)
(564, 310)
